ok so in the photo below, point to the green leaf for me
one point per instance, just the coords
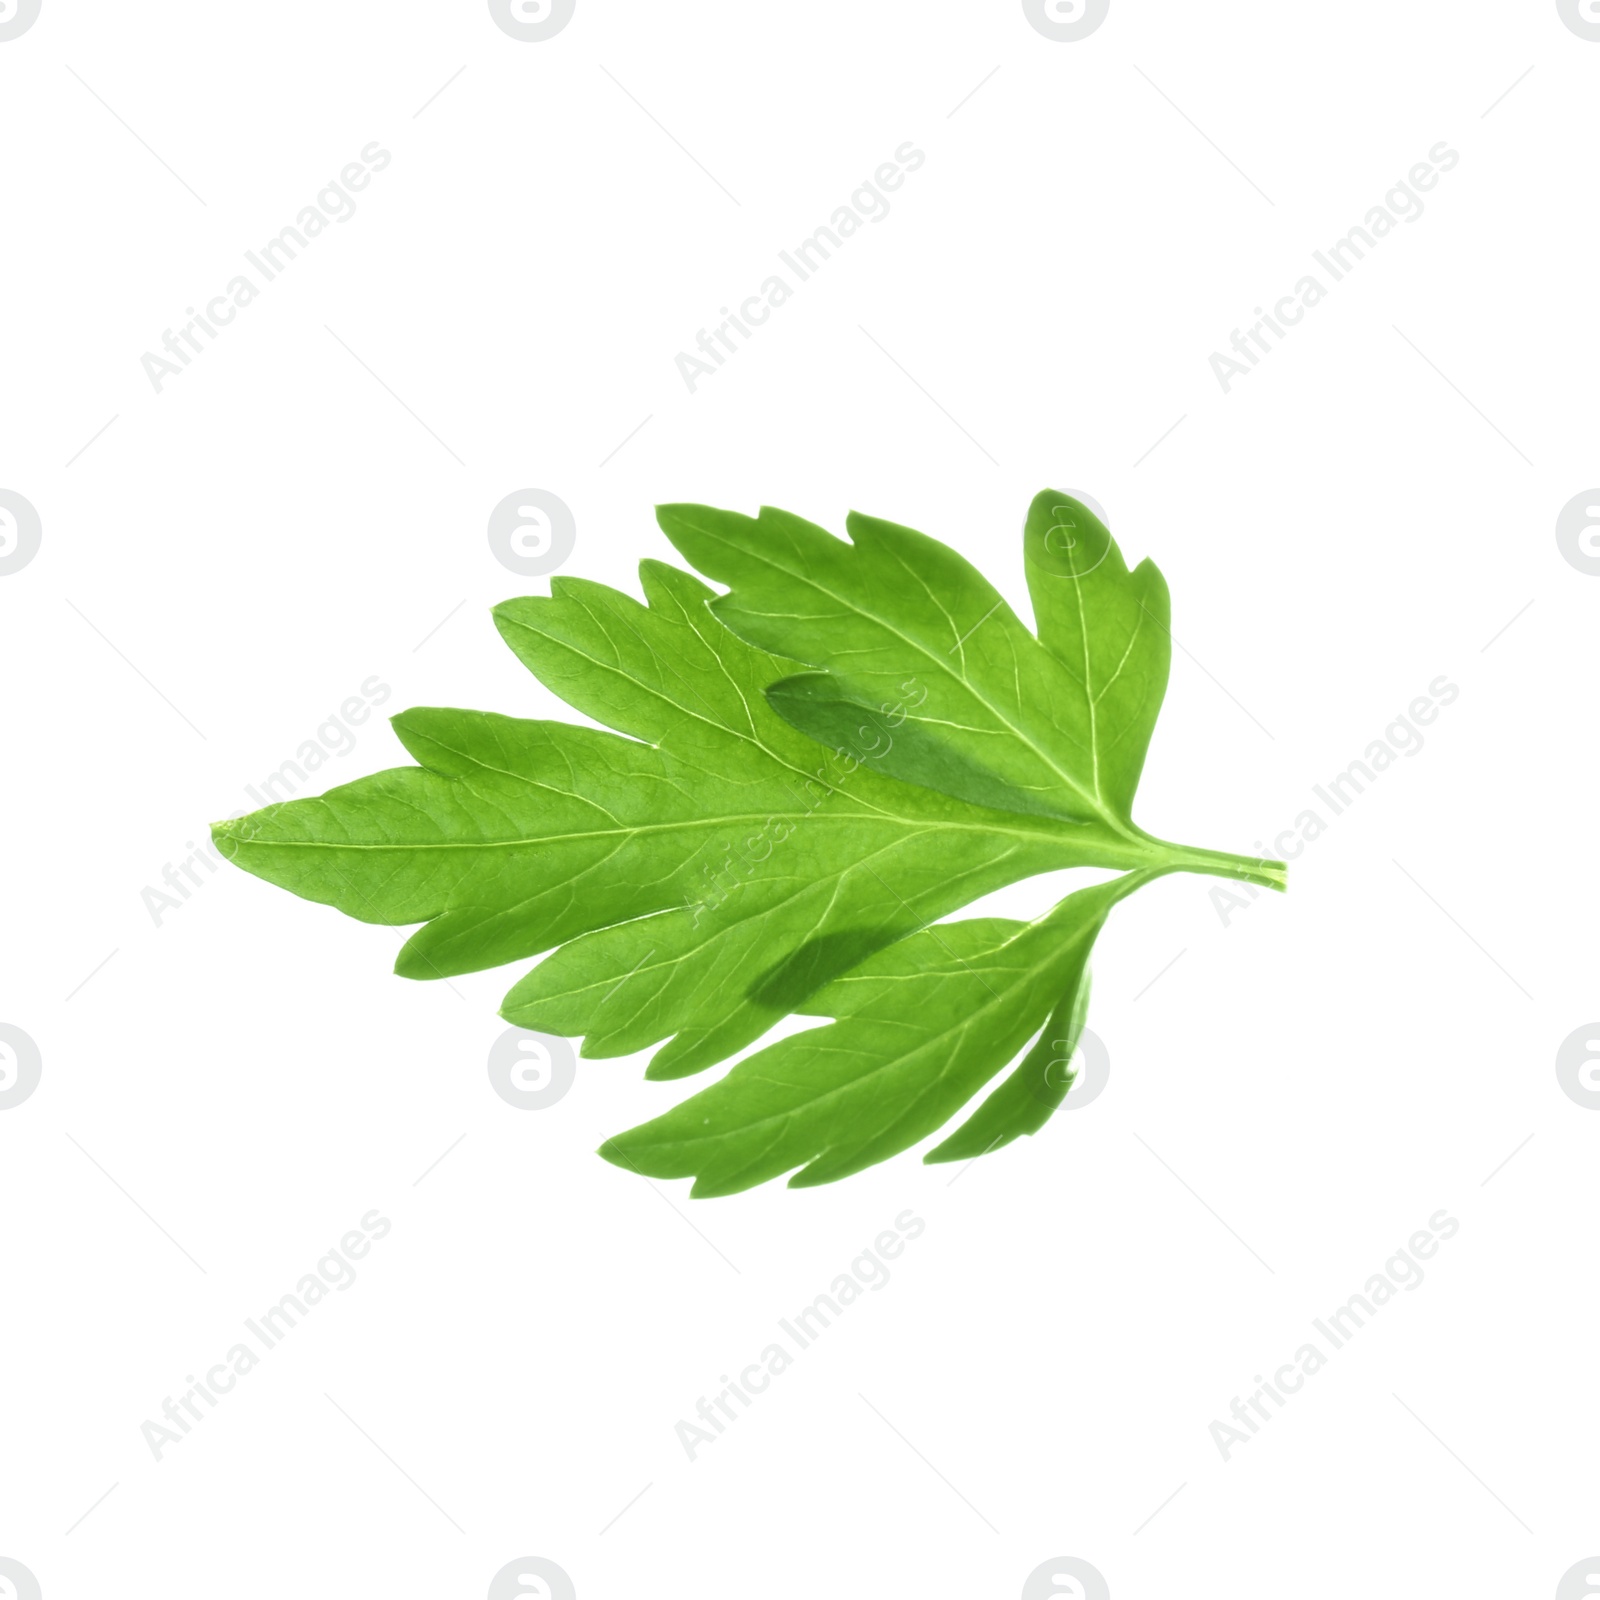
(1109, 628)
(700, 885)
(775, 815)
(920, 1028)
(917, 646)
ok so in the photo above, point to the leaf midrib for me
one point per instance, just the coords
(919, 830)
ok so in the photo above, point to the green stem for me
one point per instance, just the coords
(1222, 864)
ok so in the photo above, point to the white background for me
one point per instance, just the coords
(1290, 1100)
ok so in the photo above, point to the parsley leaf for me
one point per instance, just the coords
(1056, 724)
(920, 1028)
(793, 784)
(699, 884)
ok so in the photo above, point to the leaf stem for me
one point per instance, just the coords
(1222, 864)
